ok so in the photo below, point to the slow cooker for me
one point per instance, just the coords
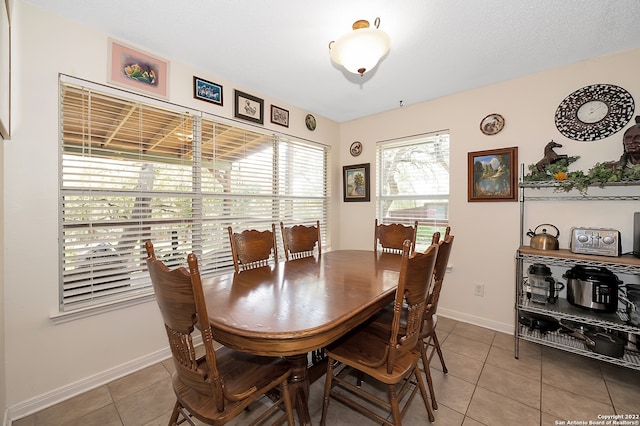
(593, 288)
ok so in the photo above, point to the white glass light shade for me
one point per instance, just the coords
(360, 50)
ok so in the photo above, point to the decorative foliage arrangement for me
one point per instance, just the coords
(598, 175)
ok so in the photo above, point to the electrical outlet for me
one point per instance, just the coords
(478, 289)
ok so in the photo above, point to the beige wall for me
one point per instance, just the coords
(3, 381)
(74, 356)
(48, 362)
(487, 234)
(3, 364)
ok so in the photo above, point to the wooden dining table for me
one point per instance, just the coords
(292, 308)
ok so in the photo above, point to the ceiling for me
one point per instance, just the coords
(279, 48)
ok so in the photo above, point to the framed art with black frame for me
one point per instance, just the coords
(356, 182)
(248, 107)
(207, 91)
(493, 175)
(279, 116)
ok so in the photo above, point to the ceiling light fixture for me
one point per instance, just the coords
(360, 50)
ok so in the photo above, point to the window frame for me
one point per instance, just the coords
(426, 225)
(299, 211)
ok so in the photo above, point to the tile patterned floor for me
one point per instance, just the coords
(486, 385)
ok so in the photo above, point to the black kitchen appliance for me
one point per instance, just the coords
(541, 287)
(593, 288)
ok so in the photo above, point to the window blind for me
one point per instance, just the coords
(133, 171)
(413, 183)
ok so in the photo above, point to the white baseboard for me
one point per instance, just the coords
(482, 322)
(56, 396)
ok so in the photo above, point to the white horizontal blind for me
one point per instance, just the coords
(302, 196)
(413, 183)
(132, 172)
(238, 176)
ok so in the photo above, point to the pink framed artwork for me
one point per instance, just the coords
(137, 70)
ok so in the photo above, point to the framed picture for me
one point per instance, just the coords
(493, 175)
(249, 107)
(356, 182)
(5, 72)
(207, 91)
(279, 116)
(138, 71)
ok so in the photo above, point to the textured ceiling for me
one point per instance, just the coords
(279, 48)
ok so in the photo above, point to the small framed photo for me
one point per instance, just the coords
(138, 70)
(279, 116)
(493, 175)
(249, 107)
(356, 182)
(207, 91)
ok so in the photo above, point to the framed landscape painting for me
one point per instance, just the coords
(356, 182)
(138, 71)
(493, 175)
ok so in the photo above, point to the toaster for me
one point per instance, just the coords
(598, 241)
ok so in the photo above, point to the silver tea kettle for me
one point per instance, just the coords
(544, 241)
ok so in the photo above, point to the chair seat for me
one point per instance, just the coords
(240, 372)
(363, 347)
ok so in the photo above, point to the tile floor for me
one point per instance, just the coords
(486, 385)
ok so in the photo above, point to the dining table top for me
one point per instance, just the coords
(301, 305)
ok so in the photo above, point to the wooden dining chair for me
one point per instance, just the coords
(252, 249)
(389, 356)
(429, 329)
(300, 241)
(431, 345)
(220, 385)
(391, 236)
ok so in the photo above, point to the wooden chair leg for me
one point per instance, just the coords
(327, 391)
(427, 373)
(436, 343)
(287, 403)
(173, 421)
(423, 392)
(178, 410)
(393, 401)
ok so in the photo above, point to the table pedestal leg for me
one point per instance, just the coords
(299, 386)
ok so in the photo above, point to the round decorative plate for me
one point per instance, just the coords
(492, 124)
(310, 121)
(356, 149)
(594, 112)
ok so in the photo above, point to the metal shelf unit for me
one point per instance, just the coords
(562, 309)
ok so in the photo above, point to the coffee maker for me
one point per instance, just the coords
(541, 287)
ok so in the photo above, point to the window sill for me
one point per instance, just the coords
(63, 317)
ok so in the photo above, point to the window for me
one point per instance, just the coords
(134, 168)
(413, 183)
